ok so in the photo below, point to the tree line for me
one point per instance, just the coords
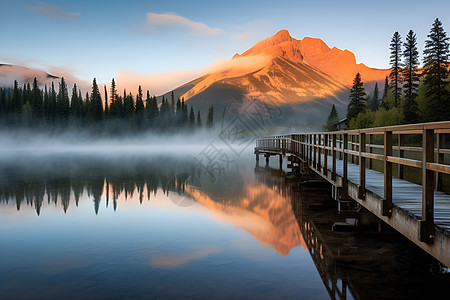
(411, 94)
(32, 107)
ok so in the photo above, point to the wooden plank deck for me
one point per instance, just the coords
(405, 194)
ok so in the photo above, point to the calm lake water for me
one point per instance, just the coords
(210, 224)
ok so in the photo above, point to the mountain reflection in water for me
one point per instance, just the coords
(254, 207)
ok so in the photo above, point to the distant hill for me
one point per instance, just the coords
(9, 73)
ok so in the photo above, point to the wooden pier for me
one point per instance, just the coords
(419, 211)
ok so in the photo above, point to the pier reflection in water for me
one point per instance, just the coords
(362, 263)
(139, 227)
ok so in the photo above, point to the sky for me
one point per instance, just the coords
(170, 42)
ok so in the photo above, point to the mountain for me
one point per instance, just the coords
(9, 73)
(302, 78)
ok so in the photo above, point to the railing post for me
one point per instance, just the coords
(310, 149)
(325, 154)
(401, 154)
(319, 151)
(302, 139)
(440, 160)
(345, 162)
(314, 151)
(370, 149)
(333, 174)
(362, 166)
(387, 201)
(427, 222)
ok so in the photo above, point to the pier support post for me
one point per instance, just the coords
(281, 161)
(267, 155)
(427, 222)
(387, 201)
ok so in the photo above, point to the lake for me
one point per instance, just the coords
(209, 223)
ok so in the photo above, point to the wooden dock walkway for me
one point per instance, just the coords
(418, 211)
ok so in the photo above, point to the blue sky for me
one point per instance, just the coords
(103, 39)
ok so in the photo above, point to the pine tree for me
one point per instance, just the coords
(26, 93)
(395, 75)
(436, 57)
(153, 108)
(3, 105)
(63, 103)
(357, 98)
(106, 104)
(374, 103)
(332, 119)
(411, 78)
(184, 114)
(95, 107)
(75, 103)
(46, 103)
(139, 107)
(115, 106)
(172, 102)
(82, 106)
(192, 117)
(385, 94)
(210, 118)
(16, 105)
(52, 108)
(147, 101)
(199, 119)
(139, 101)
(178, 113)
(37, 103)
(128, 105)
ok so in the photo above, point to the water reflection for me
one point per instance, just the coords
(139, 226)
(253, 206)
(249, 233)
(62, 180)
(365, 264)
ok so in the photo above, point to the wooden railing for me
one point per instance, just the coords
(359, 146)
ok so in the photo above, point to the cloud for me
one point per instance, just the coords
(52, 11)
(173, 20)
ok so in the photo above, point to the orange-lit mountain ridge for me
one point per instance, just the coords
(305, 76)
